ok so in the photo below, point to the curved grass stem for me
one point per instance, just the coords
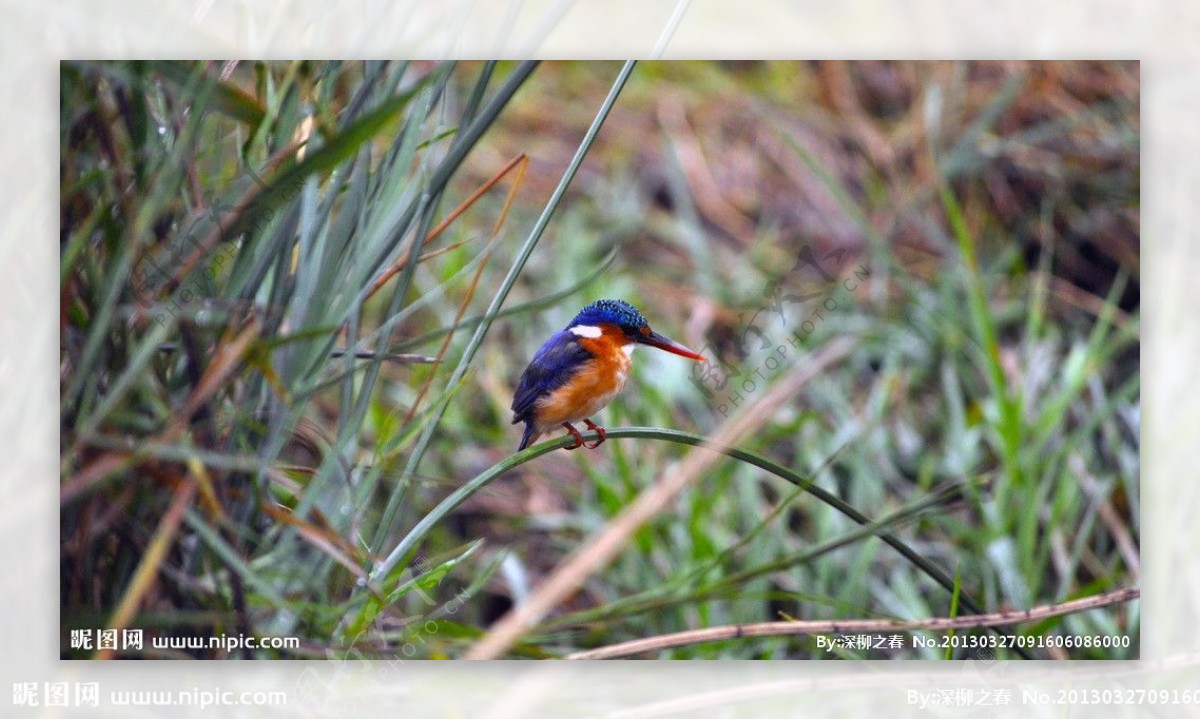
(410, 541)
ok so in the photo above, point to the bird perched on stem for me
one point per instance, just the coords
(581, 369)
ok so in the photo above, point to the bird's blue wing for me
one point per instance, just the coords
(553, 365)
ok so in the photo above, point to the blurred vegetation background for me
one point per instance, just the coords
(275, 279)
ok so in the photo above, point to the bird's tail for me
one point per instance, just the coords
(529, 436)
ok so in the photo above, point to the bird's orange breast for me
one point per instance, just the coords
(595, 384)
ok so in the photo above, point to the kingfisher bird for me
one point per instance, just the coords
(582, 367)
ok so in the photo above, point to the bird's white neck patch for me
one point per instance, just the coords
(628, 348)
(587, 331)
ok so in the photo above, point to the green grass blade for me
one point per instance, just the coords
(498, 299)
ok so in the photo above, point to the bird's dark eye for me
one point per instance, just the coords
(645, 329)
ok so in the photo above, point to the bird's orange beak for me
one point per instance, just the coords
(662, 342)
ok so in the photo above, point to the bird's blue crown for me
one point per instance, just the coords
(617, 312)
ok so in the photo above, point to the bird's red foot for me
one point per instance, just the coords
(575, 434)
(599, 431)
